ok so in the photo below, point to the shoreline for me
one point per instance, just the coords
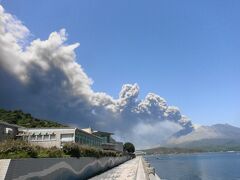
(189, 153)
(206, 152)
(149, 170)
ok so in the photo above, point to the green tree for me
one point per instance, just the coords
(128, 147)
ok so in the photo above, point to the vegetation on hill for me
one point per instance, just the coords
(25, 119)
(177, 150)
(174, 150)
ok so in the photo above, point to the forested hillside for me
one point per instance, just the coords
(25, 119)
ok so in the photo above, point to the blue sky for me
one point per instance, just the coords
(185, 51)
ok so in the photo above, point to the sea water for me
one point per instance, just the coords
(204, 166)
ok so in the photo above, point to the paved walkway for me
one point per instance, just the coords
(4, 163)
(130, 170)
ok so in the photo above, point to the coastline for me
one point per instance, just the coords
(149, 170)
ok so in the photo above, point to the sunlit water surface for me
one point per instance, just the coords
(204, 166)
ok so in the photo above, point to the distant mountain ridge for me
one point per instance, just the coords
(25, 119)
(218, 137)
(206, 136)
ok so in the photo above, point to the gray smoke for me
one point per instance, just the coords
(43, 77)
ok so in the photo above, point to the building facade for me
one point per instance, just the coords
(57, 137)
(8, 130)
(108, 143)
(50, 137)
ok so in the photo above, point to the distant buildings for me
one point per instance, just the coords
(50, 137)
(139, 153)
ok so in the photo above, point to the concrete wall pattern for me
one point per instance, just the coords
(63, 168)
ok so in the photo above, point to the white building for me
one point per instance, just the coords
(50, 137)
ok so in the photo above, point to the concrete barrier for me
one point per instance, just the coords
(63, 168)
(150, 171)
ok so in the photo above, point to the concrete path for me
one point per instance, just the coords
(4, 163)
(140, 171)
(130, 170)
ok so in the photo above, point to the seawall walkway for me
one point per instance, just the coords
(134, 169)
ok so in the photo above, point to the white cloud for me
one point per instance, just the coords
(146, 135)
(44, 78)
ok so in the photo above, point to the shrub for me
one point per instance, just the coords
(87, 151)
(17, 149)
(54, 152)
(71, 149)
(14, 149)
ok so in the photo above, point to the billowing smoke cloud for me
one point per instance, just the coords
(44, 78)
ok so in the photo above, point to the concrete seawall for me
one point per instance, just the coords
(55, 168)
(135, 169)
(149, 170)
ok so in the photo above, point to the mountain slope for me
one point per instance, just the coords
(25, 119)
(208, 136)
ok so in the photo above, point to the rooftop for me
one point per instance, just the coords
(8, 124)
(102, 133)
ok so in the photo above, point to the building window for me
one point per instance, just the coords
(32, 138)
(53, 137)
(46, 138)
(105, 139)
(39, 137)
(9, 131)
(67, 137)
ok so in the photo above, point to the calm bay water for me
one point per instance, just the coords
(204, 166)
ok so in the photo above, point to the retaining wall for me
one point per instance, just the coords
(60, 168)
